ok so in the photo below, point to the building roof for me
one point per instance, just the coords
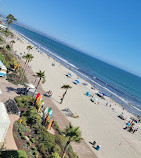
(2, 66)
(4, 118)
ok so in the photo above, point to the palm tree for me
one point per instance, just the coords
(65, 86)
(28, 58)
(41, 76)
(8, 47)
(12, 42)
(73, 134)
(29, 48)
(10, 18)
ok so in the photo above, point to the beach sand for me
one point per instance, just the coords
(97, 122)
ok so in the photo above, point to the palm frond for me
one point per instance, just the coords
(65, 86)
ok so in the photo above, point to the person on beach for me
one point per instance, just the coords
(127, 125)
(131, 129)
(135, 130)
(49, 93)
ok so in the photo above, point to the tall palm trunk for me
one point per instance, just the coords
(24, 71)
(36, 87)
(63, 96)
(65, 149)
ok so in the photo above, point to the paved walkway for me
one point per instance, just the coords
(8, 92)
(10, 142)
(82, 149)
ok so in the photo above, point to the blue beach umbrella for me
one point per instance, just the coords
(104, 94)
(70, 74)
(77, 81)
(88, 93)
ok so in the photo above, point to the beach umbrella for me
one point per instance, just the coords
(88, 93)
(95, 99)
(77, 81)
(104, 94)
(70, 74)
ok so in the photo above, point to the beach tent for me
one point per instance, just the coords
(77, 82)
(88, 93)
(31, 92)
(69, 74)
(29, 85)
(4, 122)
(2, 69)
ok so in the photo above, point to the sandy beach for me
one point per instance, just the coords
(97, 122)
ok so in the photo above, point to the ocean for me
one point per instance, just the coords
(120, 85)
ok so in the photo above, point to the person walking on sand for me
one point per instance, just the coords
(135, 130)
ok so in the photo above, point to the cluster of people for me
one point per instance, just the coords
(49, 93)
(130, 127)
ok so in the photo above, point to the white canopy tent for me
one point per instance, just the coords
(4, 121)
(29, 85)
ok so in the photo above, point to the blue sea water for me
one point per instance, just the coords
(120, 85)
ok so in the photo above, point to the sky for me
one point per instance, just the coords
(107, 29)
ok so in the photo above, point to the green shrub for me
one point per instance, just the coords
(34, 148)
(56, 149)
(20, 127)
(24, 101)
(13, 154)
(54, 155)
(61, 141)
(36, 153)
(24, 119)
(32, 140)
(29, 143)
(71, 153)
(13, 78)
(42, 148)
(24, 137)
(21, 133)
(57, 127)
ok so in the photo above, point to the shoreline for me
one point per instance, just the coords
(115, 97)
(97, 122)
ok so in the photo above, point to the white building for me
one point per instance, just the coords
(4, 122)
(3, 26)
(3, 70)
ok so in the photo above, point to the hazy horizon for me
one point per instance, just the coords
(107, 30)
